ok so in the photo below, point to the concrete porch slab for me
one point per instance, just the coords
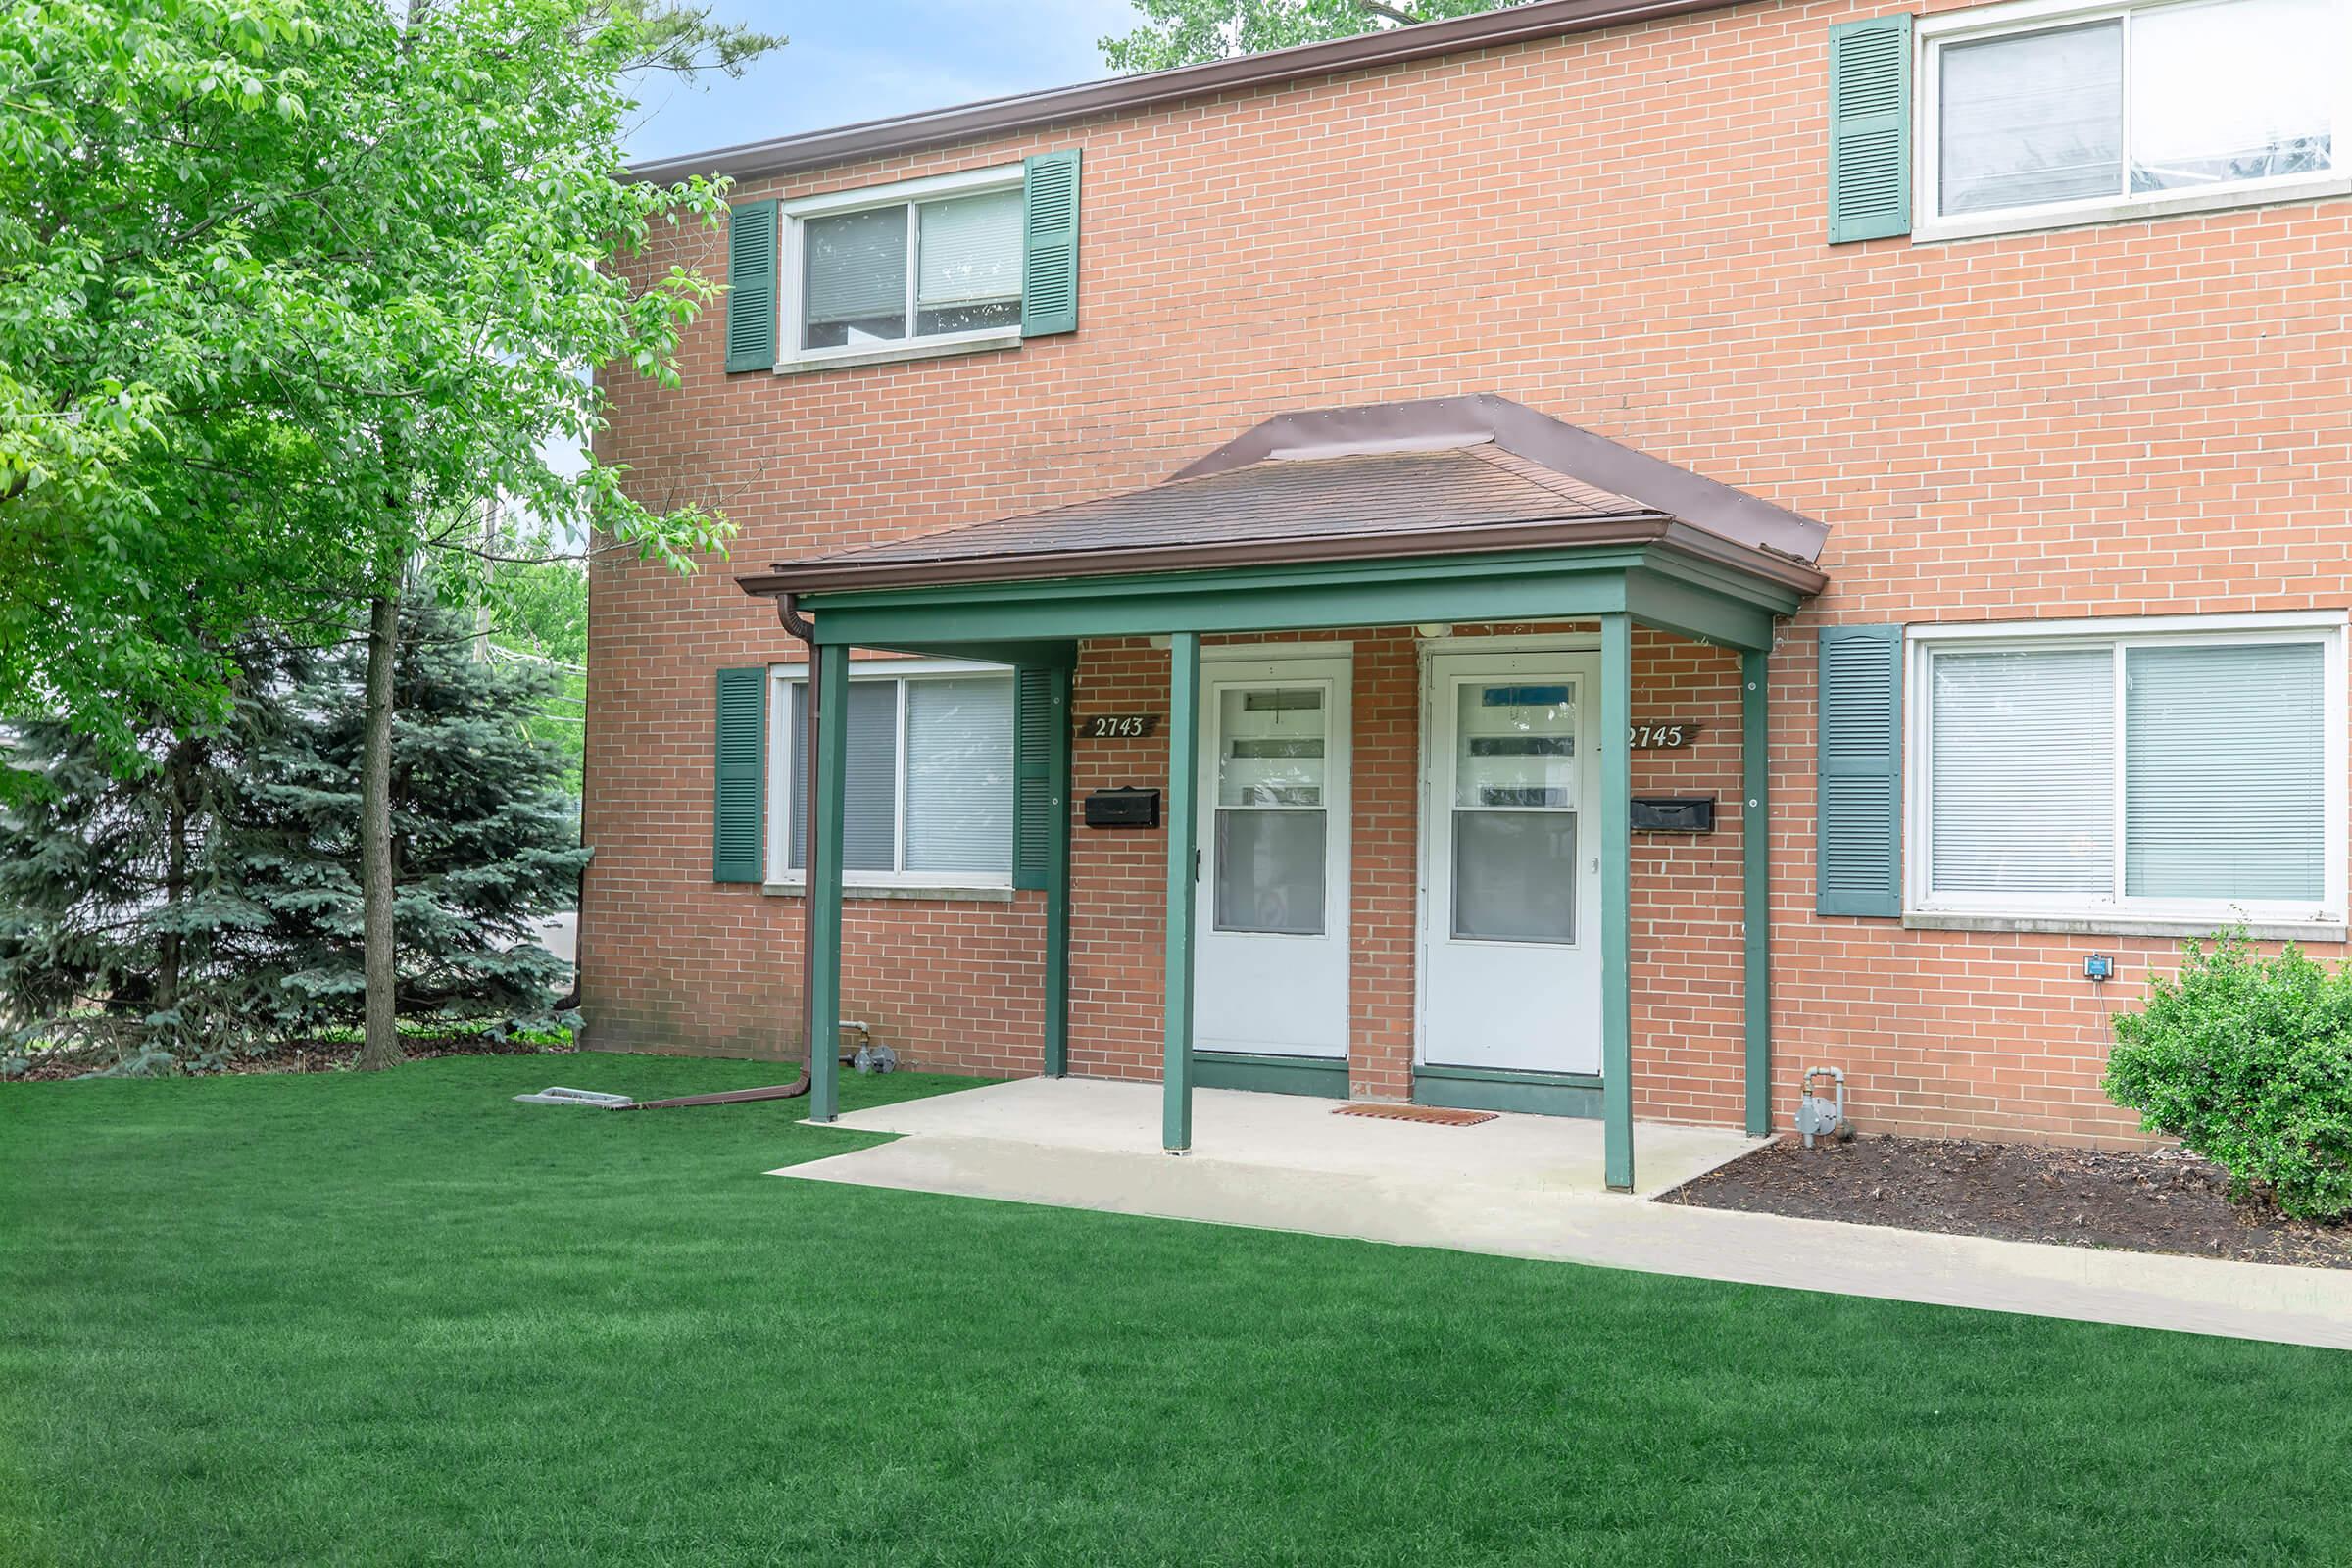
(1297, 1132)
(1531, 1190)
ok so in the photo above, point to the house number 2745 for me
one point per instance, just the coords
(1660, 737)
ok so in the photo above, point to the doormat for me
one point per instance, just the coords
(1435, 1115)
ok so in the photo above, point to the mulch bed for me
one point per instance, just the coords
(309, 1055)
(2148, 1200)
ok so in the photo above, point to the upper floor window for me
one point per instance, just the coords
(952, 264)
(911, 270)
(2049, 112)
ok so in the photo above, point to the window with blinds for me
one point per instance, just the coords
(2131, 105)
(2164, 774)
(928, 766)
(911, 270)
(2022, 772)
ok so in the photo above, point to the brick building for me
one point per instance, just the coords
(1671, 543)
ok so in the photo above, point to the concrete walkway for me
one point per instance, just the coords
(1527, 1186)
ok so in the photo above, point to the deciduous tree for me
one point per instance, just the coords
(291, 292)
(1192, 33)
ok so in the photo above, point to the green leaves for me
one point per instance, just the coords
(1191, 32)
(2248, 1062)
(289, 291)
(211, 901)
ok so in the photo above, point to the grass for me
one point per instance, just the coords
(395, 1318)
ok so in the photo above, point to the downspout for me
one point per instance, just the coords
(789, 616)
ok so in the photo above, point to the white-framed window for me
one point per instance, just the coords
(2054, 111)
(2185, 769)
(921, 263)
(928, 768)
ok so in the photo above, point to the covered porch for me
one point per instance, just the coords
(1455, 512)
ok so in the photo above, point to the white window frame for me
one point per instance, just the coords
(793, 215)
(1933, 34)
(783, 782)
(1922, 642)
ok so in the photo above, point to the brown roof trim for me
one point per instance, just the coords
(1637, 528)
(1513, 23)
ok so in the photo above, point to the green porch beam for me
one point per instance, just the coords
(1184, 771)
(1616, 895)
(1701, 613)
(1755, 883)
(1057, 889)
(822, 907)
(1270, 599)
(1048, 654)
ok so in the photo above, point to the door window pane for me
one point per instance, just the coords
(1270, 743)
(2022, 763)
(969, 273)
(853, 279)
(1269, 871)
(2224, 785)
(1514, 876)
(2232, 92)
(2032, 119)
(1517, 745)
(959, 775)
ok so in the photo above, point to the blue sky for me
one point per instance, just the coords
(871, 58)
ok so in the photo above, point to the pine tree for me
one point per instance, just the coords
(124, 934)
(483, 836)
(211, 905)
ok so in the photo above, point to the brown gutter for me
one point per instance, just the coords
(788, 613)
(818, 149)
(842, 573)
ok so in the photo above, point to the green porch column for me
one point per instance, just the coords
(1058, 890)
(1616, 848)
(1184, 770)
(1755, 883)
(830, 691)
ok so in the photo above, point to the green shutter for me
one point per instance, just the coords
(738, 797)
(1859, 859)
(1050, 244)
(1870, 129)
(752, 286)
(1041, 736)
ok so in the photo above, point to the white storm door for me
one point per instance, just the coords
(1511, 895)
(1271, 964)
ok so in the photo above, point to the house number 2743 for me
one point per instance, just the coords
(1118, 726)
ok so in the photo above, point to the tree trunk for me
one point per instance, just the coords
(381, 1047)
(181, 784)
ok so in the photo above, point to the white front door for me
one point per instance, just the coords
(1271, 965)
(1510, 891)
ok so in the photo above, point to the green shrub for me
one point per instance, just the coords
(2248, 1062)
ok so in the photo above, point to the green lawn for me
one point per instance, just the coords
(343, 1318)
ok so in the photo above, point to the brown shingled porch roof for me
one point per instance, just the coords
(1440, 476)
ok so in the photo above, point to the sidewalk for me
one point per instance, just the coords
(1297, 1174)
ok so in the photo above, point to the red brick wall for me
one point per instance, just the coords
(1685, 916)
(1624, 231)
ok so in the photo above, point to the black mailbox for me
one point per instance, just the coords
(1125, 806)
(1662, 813)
